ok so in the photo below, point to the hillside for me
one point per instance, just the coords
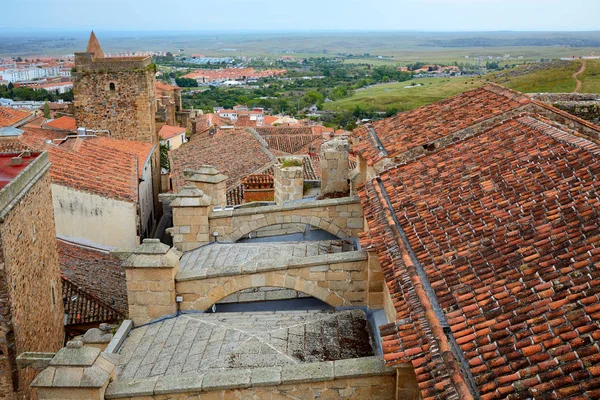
(555, 77)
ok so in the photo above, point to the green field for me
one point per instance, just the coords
(381, 97)
(527, 79)
(591, 77)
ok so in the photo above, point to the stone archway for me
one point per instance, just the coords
(315, 222)
(210, 291)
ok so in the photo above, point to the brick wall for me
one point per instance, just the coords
(30, 284)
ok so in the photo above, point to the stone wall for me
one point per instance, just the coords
(371, 388)
(128, 111)
(340, 217)
(361, 378)
(334, 167)
(30, 284)
(583, 105)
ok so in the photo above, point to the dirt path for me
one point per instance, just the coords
(576, 74)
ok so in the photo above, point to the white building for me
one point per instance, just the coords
(29, 74)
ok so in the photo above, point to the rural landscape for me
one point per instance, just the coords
(318, 201)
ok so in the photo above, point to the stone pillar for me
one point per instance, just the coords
(190, 209)
(210, 181)
(334, 167)
(289, 180)
(76, 372)
(150, 273)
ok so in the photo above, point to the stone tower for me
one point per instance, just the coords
(118, 94)
(115, 93)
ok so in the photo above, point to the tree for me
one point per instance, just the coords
(46, 110)
(10, 86)
(164, 156)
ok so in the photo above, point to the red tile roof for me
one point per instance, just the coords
(104, 166)
(160, 86)
(505, 228)
(83, 308)
(8, 171)
(11, 116)
(96, 273)
(63, 123)
(168, 131)
(420, 127)
(234, 152)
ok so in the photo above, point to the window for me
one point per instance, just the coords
(183, 138)
(112, 87)
(168, 144)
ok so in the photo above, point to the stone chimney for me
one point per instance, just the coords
(150, 273)
(208, 179)
(76, 372)
(289, 180)
(190, 209)
(334, 167)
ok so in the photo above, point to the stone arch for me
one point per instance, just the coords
(313, 221)
(112, 87)
(278, 280)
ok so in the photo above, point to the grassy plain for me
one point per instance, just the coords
(403, 96)
(527, 79)
(591, 77)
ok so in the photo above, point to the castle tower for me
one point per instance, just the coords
(115, 94)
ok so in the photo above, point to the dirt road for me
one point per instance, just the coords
(576, 74)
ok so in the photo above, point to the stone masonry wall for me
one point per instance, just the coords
(340, 217)
(289, 184)
(372, 388)
(128, 111)
(30, 285)
(334, 167)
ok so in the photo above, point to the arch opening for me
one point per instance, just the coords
(266, 298)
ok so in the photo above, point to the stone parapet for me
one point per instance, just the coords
(150, 273)
(208, 179)
(334, 167)
(344, 379)
(190, 210)
(76, 372)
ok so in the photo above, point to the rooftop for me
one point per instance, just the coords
(503, 226)
(13, 117)
(63, 123)
(238, 258)
(168, 131)
(11, 165)
(412, 129)
(198, 343)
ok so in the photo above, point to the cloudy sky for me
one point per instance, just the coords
(429, 15)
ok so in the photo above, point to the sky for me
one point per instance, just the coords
(315, 15)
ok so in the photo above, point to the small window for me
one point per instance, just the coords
(112, 87)
(183, 138)
(168, 144)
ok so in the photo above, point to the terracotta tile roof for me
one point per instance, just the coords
(96, 273)
(83, 308)
(234, 152)
(291, 140)
(505, 227)
(11, 116)
(168, 131)
(269, 119)
(160, 86)
(423, 125)
(104, 166)
(205, 121)
(63, 123)
(258, 179)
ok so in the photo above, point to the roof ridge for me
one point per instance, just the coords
(566, 135)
